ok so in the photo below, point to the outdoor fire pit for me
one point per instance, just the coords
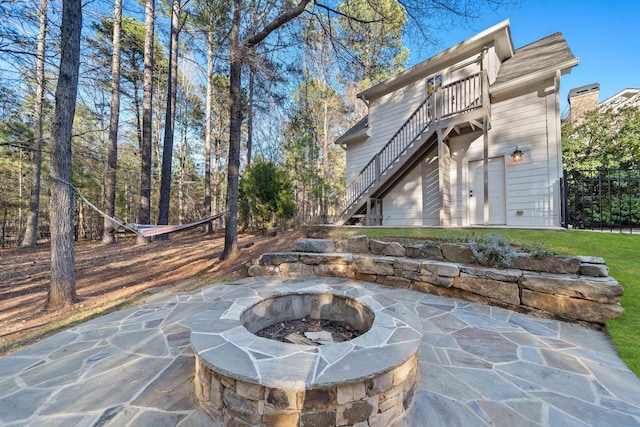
(242, 378)
(304, 312)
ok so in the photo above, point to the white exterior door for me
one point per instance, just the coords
(497, 205)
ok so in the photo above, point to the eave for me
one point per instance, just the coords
(500, 89)
(500, 34)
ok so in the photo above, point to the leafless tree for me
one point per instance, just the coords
(239, 50)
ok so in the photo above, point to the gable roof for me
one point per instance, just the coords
(499, 34)
(357, 131)
(629, 97)
(547, 54)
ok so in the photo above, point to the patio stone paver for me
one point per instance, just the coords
(478, 365)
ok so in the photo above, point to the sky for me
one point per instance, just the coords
(604, 35)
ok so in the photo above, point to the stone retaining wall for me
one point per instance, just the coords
(565, 287)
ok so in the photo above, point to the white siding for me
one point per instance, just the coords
(493, 63)
(519, 121)
(356, 152)
(403, 204)
(388, 113)
(386, 116)
(446, 185)
(462, 69)
(528, 119)
(458, 190)
(430, 190)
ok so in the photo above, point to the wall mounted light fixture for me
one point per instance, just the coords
(517, 154)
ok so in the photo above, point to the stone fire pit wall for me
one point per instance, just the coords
(245, 380)
(574, 288)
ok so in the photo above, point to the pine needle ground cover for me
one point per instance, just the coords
(620, 251)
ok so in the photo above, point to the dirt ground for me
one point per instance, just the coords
(109, 276)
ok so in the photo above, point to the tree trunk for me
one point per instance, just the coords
(235, 76)
(136, 107)
(144, 212)
(217, 175)
(250, 111)
(237, 51)
(31, 232)
(182, 157)
(207, 130)
(169, 126)
(82, 226)
(62, 290)
(114, 116)
(4, 224)
(325, 159)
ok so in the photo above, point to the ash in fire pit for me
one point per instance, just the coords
(308, 319)
(310, 331)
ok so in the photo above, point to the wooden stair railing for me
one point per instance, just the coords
(383, 159)
(456, 98)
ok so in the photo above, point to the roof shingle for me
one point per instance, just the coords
(356, 131)
(546, 53)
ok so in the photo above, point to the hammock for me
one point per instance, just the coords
(145, 230)
(140, 229)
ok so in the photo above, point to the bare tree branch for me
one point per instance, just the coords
(279, 21)
(345, 15)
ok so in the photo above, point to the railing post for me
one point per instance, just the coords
(484, 82)
(437, 99)
(377, 167)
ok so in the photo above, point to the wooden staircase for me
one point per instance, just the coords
(417, 135)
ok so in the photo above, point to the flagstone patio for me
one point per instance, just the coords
(478, 365)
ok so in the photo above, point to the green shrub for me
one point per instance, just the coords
(494, 251)
(266, 197)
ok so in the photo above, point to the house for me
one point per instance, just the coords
(584, 99)
(468, 137)
(629, 97)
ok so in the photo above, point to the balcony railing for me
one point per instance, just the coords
(460, 97)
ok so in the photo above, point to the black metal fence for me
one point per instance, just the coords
(606, 200)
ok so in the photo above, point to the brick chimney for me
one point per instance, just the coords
(582, 100)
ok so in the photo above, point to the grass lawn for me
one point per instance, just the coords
(620, 251)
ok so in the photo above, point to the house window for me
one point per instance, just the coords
(434, 83)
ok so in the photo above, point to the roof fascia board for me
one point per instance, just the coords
(504, 46)
(358, 136)
(502, 88)
(443, 59)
